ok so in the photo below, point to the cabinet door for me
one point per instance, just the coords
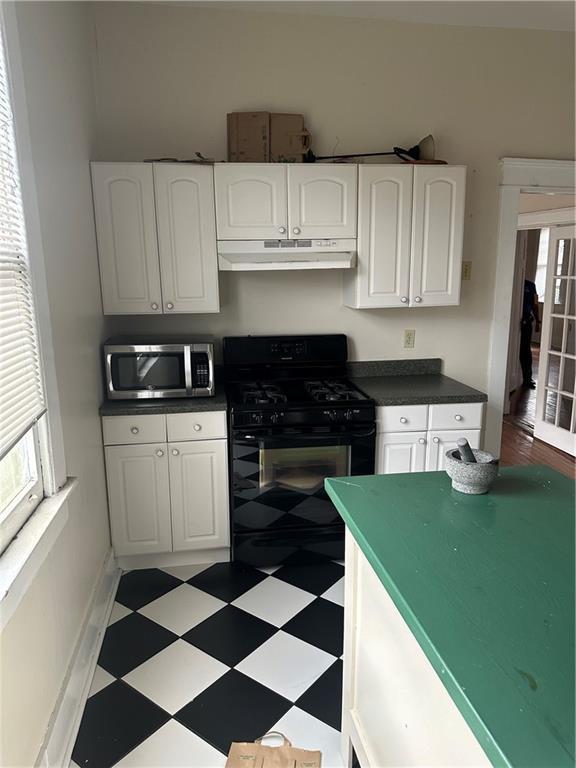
(251, 201)
(322, 200)
(400, 452)
(384, 227)
(199, 494)
(437, 231)
(440, 442)
(139, 498)
(187, 237)
(126, 231)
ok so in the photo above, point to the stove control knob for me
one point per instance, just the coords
(274, 418)
(332, 415)
(256, 418)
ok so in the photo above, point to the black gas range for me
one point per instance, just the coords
(295, 419)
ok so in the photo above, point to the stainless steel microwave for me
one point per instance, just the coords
(135, 368)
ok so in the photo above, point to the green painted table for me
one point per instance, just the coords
(486, 585)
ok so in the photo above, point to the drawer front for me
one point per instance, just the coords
(128, 430)
(402, 418)
(202, 425)
(456, 416)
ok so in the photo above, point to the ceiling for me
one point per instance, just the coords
(516, 14)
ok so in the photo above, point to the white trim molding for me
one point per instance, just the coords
(63, 728)
(516, 175)
(551, 218)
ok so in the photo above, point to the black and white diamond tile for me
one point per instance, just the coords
(195, 657)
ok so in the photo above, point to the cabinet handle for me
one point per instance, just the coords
(458, 417)
(154, 305)
(175, 452)
(197, 427)
(404, 299)
(422, 440)
(282, 230)
(296, 230)
(169, 305)
(403, 420)
(134, 430)
(436, 439)
(417, 299)
(159, 453)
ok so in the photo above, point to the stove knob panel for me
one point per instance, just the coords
(255, 418)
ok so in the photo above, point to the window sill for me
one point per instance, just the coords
(23, 558)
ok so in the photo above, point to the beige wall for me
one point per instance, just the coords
(37, 643)
(167, 75)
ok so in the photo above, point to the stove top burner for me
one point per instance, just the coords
(262, 393)
(305, 392)
(332, 390)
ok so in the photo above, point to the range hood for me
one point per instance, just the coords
(260, 255)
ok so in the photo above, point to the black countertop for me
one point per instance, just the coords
(417, 389)
(175, 405)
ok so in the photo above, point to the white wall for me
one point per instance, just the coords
(56, 42)
(167, 75)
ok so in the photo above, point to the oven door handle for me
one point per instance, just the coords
(288, 437)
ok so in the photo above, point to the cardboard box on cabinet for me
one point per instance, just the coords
(263, 137)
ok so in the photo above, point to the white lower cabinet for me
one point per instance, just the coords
(198, 495)
(139, 498)
(400, 452)
(167, 496)
(440, 442)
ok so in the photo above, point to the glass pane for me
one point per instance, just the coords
(553, 371)
(153, 370)
(568, 375)
(18, 471)
(571, 298)
(569, 337)
(560, 289)
(550, 407)
(562, 257)
(303, 469)
(565, 416)
(557, 334)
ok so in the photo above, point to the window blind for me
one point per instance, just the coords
(21, 390)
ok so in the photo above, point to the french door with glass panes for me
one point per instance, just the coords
(555, 421)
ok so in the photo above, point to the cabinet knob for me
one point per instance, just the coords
(197, 427)
(422, 440)
(436, 439)
(134, 430)
(159, 453)
(281, 230)
(169, 305)
(458, 417)
(296, 230)
(154, 305)
(175, 452)
(403, 420)
(404, 299)
(417, 299)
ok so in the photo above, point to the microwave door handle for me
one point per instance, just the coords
(109, 381)
(189, 384)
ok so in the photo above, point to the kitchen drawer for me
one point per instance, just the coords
(402, 418)
(202, 425)
(128, 430)
(456, 416)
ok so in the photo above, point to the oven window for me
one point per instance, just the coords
(302, 469)
(151, 370)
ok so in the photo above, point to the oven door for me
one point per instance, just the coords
(134, 372)
(278, 475)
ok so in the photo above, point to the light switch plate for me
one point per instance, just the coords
(466, 270)
(409, 339)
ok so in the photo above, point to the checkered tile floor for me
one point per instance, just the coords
(196, 657)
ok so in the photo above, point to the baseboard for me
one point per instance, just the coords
(173, 559)
(65, 722)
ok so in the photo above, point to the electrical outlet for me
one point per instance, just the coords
(466, 270)
(409, 339)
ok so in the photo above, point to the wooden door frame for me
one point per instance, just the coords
(516, 175)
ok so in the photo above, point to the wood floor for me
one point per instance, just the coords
(518, 444)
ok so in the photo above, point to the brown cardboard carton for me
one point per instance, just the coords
(249, 137)
(289, 139)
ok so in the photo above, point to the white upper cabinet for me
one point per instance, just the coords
(437, 233)
(186, 237)
(384, 227)
(126, 230)
(322, 200)
(199, 494)
(251, 202)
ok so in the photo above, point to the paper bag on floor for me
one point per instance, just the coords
(254, 754)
